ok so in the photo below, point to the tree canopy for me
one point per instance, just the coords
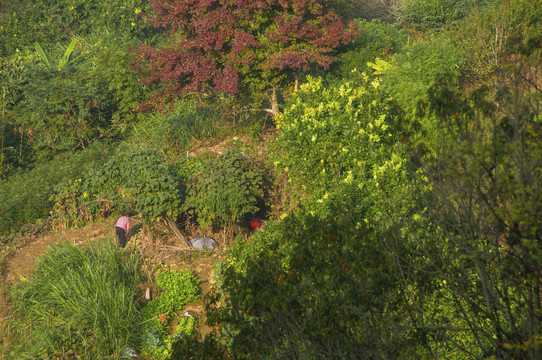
(229, 46)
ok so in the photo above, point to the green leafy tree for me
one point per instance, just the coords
(484, 202)
(55, 107)
(110, 71)
(61, 101)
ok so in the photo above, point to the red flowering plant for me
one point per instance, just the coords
(230, 46)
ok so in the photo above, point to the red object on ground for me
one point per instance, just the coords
(256, 223)
(163, 317)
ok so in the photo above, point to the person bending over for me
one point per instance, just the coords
(122, 228)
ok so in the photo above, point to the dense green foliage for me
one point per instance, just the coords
(80, 301)
(405, 220)
(131, 180)
(228, 189)
(26, 197)
(325, 269)
(57, 108)
(435, 14)
(52, 21)
(340, 138)
(377, 40)
(64, 108)
(313, 288)
(421, 66)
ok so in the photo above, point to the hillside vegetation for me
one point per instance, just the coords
(370, 168)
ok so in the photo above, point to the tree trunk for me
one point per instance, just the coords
(274, 103)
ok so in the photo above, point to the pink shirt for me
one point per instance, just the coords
(124, 223)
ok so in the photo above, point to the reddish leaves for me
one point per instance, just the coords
(216, 44)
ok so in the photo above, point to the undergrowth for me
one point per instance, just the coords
(79, 303)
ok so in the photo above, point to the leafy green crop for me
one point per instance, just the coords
(179, 288)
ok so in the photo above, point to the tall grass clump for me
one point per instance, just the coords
(178, 126)
(79, 303)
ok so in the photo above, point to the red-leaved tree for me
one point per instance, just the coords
(230, 46)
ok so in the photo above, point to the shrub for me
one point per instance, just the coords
(111, 73)
(434, 14)
(229, 188)
(336, 139)
(492, 38)
(133, 179)
(310, 288)
(54, 103)
(55, 21)
(421, 66)
(80, 301)
(483, 202)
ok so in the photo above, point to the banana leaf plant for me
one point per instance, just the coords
(67, 58)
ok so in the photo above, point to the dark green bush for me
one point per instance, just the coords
(134, 179)
(60, 101)
(311, 288)
(229, 188)
(435, 14)
(54, 104)
(418, 68)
